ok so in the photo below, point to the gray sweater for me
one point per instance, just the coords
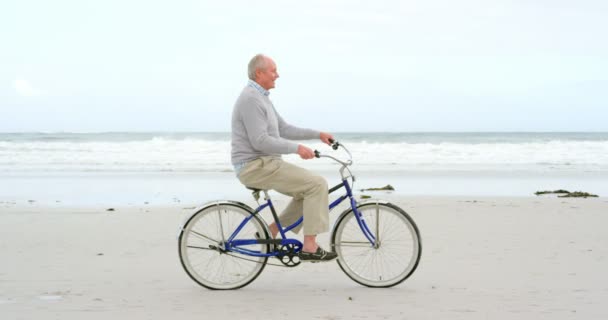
(258, 129)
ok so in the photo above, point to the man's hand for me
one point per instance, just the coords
(305, 152)
(325, 137)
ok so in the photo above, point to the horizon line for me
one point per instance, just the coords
(336, 132)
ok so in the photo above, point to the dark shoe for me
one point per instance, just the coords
(319, 255)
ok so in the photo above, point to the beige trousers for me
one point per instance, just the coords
(309, 192)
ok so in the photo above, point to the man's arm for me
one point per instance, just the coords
(292, 132)
(254, 119)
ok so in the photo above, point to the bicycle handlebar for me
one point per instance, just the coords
(335, 145)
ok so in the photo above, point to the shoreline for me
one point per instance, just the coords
(118, 189)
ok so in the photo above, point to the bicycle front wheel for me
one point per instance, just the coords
(392, 260)
(201, 244)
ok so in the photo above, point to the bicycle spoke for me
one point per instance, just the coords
(202, 248)
(354, 244)
(203, 236)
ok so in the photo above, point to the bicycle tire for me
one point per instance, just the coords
(393, 261)
(199, 239)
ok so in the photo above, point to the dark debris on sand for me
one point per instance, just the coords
(387, 187)
(567, 194)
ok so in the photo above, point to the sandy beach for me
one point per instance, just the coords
(483, 258)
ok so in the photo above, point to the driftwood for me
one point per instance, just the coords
(567, 194)
(560, 191)
(387, 187)
(578, 194)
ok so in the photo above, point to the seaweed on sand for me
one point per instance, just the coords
(387, 187)
(560, 191)
(578, 194)
(567, 194)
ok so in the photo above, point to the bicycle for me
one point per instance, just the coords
(225, 244)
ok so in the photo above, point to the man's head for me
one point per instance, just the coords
(263, 70)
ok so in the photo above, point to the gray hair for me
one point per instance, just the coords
(257, 62)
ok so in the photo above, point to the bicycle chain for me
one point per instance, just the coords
(267, 263)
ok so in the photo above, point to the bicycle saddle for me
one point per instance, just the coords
(256, 192)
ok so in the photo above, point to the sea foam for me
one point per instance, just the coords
(211, 152)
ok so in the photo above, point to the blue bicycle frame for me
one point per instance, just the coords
(234, 245)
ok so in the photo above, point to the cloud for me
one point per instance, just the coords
(25, 89)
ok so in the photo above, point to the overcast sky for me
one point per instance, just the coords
(422, 65)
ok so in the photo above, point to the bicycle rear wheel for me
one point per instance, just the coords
(393, 260)
(201, 247)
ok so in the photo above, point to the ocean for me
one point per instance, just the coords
(35, 165)
(210, 152)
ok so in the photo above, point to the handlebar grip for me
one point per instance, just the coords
(335, 145)
(317, 154)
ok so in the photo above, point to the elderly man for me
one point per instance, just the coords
(259, 137)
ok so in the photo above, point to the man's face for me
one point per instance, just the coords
(266, 76)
